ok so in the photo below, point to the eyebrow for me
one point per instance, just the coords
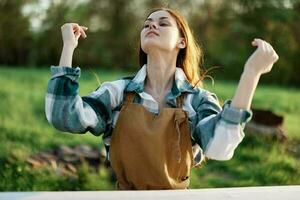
(150, 19)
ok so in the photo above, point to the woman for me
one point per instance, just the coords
(157, 125)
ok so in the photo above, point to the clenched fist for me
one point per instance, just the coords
(71, 33)
(262, 59)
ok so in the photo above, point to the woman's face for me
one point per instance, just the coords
(160, 32)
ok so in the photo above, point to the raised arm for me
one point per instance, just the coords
(219, 131)
(260, 62)
(64, 108)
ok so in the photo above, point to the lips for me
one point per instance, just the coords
(151, 32)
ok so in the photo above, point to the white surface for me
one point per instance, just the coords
(241, 193)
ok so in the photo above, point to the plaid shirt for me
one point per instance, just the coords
(215, 131)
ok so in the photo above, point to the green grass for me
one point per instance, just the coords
(24, 131)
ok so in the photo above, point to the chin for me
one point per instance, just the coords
(150, 45)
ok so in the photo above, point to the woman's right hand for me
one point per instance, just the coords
(71, 33)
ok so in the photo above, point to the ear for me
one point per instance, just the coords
(181, 43)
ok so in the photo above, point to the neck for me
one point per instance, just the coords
(160, 73)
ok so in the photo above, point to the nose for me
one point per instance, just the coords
(152, 25)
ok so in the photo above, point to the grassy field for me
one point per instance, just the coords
(24, 131)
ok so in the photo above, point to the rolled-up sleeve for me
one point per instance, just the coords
(67, 111)
(219, 130)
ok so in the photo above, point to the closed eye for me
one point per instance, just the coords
(163, 24)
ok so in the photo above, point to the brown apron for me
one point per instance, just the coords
(151, 151)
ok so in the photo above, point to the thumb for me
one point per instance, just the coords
(254, 43)
(77, 35)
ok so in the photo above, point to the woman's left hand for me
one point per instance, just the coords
(262, 59)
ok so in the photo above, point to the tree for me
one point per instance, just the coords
(15, 38)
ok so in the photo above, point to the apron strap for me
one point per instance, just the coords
(179, 100)
(179, 118)
(129, 97)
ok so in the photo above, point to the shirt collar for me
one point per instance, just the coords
(180, 84)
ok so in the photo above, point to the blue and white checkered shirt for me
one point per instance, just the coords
(215, 131)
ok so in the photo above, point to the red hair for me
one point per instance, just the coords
(190, 58)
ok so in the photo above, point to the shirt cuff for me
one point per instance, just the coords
(70, 72)
(235, 115)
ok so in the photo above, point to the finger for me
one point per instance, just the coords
(74, 24)
(259, 43)
(264, 46)
(77, 35)
(64, 25)
(272, 52)
(275, 56)
(77, 27)
(269, 48)
(84, 27)
(82, 32)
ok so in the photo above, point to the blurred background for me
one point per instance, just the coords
(30, 32)
(35, 156)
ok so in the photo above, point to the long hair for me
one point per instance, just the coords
(189, 58)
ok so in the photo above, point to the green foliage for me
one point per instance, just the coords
(15, 37)
(257, 162)
(229, 27)
(24, 131)
(16, 175)
(225, 29)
